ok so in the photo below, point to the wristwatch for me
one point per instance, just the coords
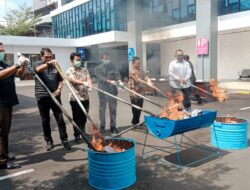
(17, 65)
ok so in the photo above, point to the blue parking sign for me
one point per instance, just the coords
(131, 53)
(82, 52)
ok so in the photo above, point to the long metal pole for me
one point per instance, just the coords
(60, 106)
(123, 101)
(74, 94)
(141, 96)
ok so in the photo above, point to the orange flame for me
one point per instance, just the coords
(217, 92)
(172, 109)
(98, 142)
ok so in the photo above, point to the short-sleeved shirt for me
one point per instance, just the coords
(8, 96)
(81, 74)
(134, 85)
(50, 76)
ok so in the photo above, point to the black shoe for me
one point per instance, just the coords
(49, 146)
(66, 145)
(10, 165)
(114, 130)
(199, 101)
(78, 140)
(8, 156)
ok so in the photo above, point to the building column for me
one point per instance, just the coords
(134, 27)
(207, 26)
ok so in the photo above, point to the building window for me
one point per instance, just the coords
(92, 17)
(168, 12)
(232, 6)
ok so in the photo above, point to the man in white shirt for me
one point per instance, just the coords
(179, 77)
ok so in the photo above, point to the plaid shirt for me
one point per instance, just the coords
(138, 87)
(80, 90)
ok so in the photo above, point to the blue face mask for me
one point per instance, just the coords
(2, 56)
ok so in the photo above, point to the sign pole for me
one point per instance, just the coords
(203, 69)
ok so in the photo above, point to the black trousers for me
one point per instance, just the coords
(186, 96)
(5, 124)
(44, 106)
(136, 113)
(78, 115)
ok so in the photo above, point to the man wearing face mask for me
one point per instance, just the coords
(8, 99)
(80, 79)
(179, 77)
(49, 75)
(107, 73)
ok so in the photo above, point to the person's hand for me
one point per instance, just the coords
(52, 62)
(112, 82)
(149, 83)
(120, 84)
(181, 82)
(21, 60)
(57, 92)
(85, 83)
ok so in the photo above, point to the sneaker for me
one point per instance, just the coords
(49, 146)
(114, 130)
(66, 145)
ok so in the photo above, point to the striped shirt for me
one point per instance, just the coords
(50, 77)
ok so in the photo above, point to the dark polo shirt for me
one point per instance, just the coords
(50, 77)
(8, 96)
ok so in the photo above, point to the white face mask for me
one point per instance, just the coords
(106, 61)
(77, 64)
(2, 56)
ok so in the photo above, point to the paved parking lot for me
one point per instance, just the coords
(63, 170)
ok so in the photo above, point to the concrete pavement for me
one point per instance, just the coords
(63, 170)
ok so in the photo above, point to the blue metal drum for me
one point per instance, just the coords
(163, 128)
(230, 135)
(112, 170)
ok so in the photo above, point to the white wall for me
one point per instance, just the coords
(233, 54)
(168, 51)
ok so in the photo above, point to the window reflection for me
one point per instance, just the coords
(92, 17)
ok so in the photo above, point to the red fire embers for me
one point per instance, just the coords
(217, 92)
(172, 109)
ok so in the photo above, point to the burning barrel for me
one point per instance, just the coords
(229, 133)
(111, 169)
(163, 128)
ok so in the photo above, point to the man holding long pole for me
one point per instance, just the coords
(49, 75)
(8, 99)
(179, 77)
(107, 73)
(79, 78)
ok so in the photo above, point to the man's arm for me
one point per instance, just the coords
(189, 72)
(41, 68)
(8, 72)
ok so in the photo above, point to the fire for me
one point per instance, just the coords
(99, 143)
(172, 109)
(217, 92)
